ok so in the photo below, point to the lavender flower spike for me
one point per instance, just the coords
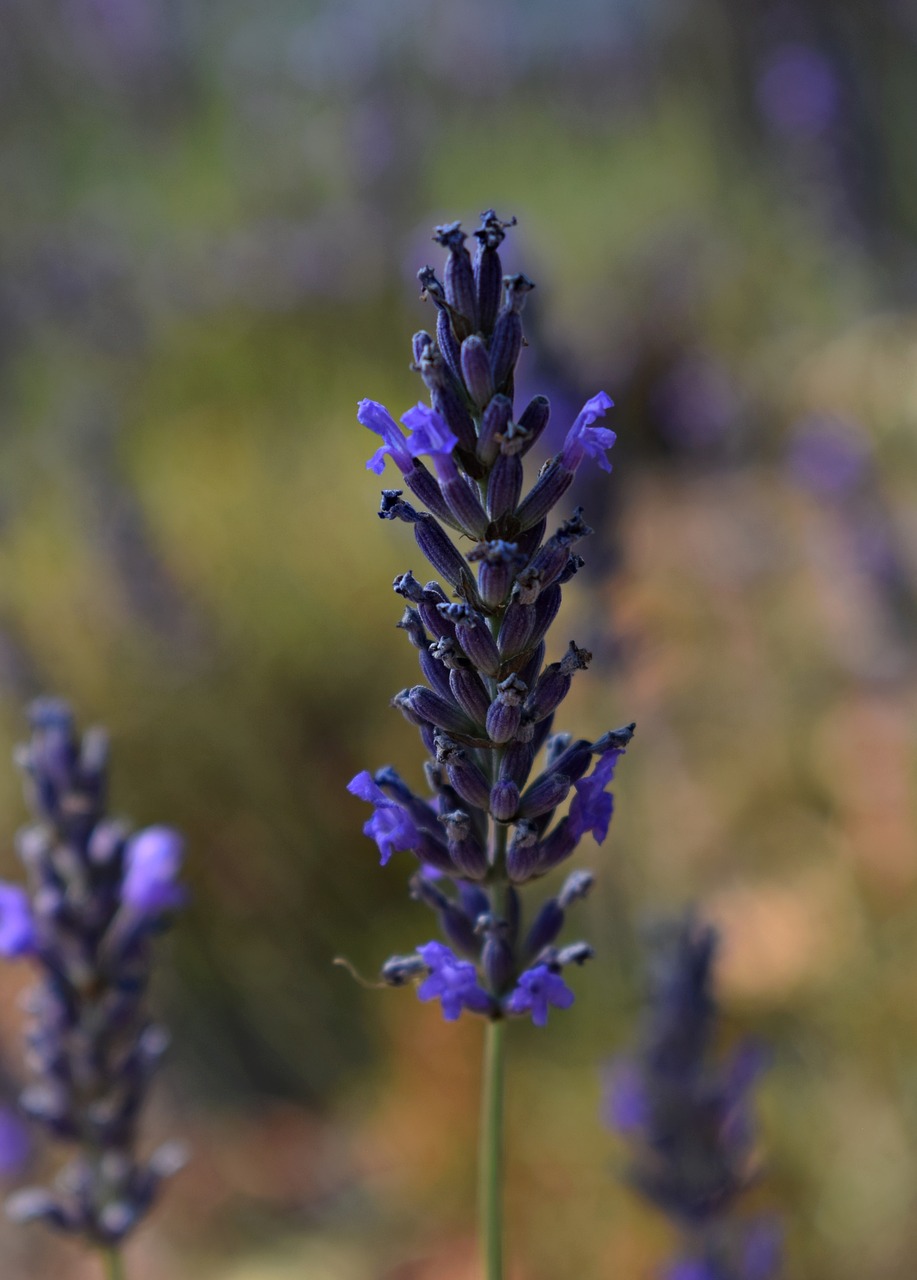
(98, 897)
(688, 1117)
(490, 697)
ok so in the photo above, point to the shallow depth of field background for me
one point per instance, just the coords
(211, 223)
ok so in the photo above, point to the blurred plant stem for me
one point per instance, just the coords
(491, 1154)
(114, 1264)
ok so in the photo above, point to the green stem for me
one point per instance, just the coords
(491, 1152)
(114, 1264)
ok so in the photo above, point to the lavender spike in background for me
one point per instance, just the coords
(98, 896)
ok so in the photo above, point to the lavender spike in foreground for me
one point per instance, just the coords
(491, 698)
(98, 896)
(688, 1116)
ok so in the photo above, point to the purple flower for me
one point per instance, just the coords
(375, 416)
(429, 433)
(798, 91)
(592, 805)
(17, 928)
(828, 456)
(538, 988)
(452, 981)
(584, 439)
(152, 862)
(15, 1144)
(391, 826)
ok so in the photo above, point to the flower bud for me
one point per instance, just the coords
(493, 425)
(505, 711)
(504, 800)
(488, 270)
(504, 486)
(476, 371)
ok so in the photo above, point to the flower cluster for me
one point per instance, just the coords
(97, 897)
(688, 1118)
(486, 709)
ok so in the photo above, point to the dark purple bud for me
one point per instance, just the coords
(554, 682)
(406, 585)
(553, 482)
(398, 971)
(530, 539)
(506, 342)
(573, 761)
(428, 608)
(440, 712)
(476, 370)
(152, 861)
(402, 702)
(530, 668)
(497, 962)
(466, 778)
(576, 887)
(546, 609)
(498, 563)
(467, 853)
(545, 794)
(436, 673)
(571, 569)
(461, 496)
(517, 762)
(504, 486)
(522, 856)
(459, 275)
(533, 420)
(468, 690)
(424, 486)
(557, 846)
(515, 629)
(420, 345)
(474, 636)
(551, 560)
(504, 800)
(435, 544)
(34, 1204)
(493, 426)
(505, 711)
(447, 399)
(488, 270)
(449, 344)
(545, 928)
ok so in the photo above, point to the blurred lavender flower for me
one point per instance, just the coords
(488, 704)
(688, 1117)
(829, 456)
(798, 90)
(98, 897)
(15, 1142)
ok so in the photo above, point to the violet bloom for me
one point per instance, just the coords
(17, 927)
(585, 439)
(593, 805)
(429, 433)
(375, 416)
(152, 862)
(390, 826)
(96, 894)
(538, 989)
(15, 1143)
(451, 981)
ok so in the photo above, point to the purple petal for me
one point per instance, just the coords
(152, 861)
(17, 928)
(429, 432)
(377, 418)
(585, 439)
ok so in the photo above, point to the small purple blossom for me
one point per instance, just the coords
(17, 927)
(429, 433)
(592, 805)
(375, 416)
(537, 989)
(452, 981)
(585, 439)
(391, 826)
(152, 862)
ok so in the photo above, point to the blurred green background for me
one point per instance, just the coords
(213, 216)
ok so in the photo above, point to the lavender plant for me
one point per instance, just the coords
(486, 712)
(688, 1117)
(98, 896)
